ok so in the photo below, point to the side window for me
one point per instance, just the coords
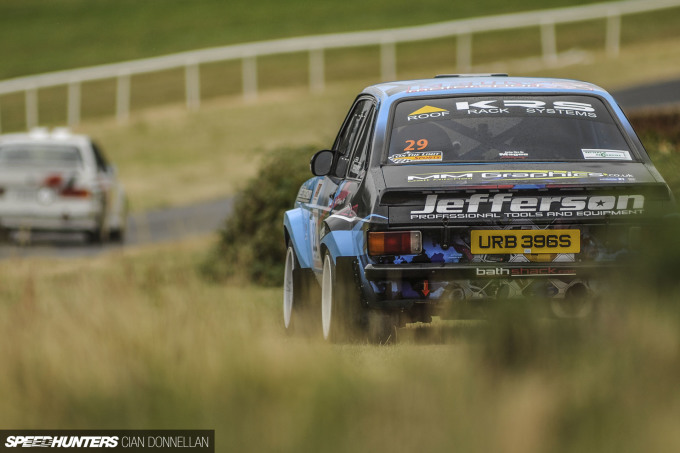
(102, 165)
(349, 135)
(359, 159)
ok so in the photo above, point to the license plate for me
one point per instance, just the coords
(485, 242)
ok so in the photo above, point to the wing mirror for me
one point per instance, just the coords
(322, 162)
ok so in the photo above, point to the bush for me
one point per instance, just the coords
(660, 133)
(251, 242)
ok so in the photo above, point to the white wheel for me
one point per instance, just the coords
(288, 287)
(327, 282)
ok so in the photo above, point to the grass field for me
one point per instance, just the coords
(139, 339)
(136, 340)
(129, 30)
(167, 156)
(38, 36)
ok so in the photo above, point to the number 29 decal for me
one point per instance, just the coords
(416, 145)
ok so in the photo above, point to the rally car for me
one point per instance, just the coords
(443, 194)
(59, 181)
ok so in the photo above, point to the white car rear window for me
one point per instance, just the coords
(38, 155)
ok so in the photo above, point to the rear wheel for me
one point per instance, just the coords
(117, 235)
(94, 236)
(343, 317)
(298, 290)
(331, 294)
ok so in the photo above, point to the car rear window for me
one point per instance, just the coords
(505, 129)
(35, 155)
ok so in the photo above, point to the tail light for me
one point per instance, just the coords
(53, 181)
(395, 243)
(74, 192)
(64, 188)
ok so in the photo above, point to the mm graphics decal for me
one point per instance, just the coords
(517, 175)
(508, 205)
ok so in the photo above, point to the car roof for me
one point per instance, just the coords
(44, 136)
(447, 85)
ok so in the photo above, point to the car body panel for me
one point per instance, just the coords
(600, 196)
(42, 193)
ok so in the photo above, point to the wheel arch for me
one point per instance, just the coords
(294, 232)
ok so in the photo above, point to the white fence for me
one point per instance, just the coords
(315, 46)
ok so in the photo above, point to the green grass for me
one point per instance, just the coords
(129, 30)
(136, 340)
(39, 36)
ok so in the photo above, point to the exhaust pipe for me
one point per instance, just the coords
(577, 302)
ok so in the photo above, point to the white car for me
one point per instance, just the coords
(59, 181)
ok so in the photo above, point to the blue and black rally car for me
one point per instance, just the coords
(441, 194)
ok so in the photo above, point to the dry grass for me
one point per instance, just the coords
(135, 339)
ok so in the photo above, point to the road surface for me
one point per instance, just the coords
(163, 225)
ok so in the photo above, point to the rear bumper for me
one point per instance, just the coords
(60, 215)
(402, 287)
(485, 270)
(63, 222)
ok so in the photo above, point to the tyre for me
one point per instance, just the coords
(298, 297)
(94, 237)
(343, 318)
(117, 236)
(5, 235)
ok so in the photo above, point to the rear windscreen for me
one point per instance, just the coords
(505, 129)
(34, 155)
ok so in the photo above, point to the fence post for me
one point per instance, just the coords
(192, 78)
(464, 52)
(123, 97)
(73, 109)
(388, 61)
(549, 42)
(249, 78)
(613, 33)
(31, 108)
(317, 74)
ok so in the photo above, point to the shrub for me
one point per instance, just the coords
(251, 242)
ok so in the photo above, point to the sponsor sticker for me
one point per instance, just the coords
(513, 155)
(304, 195)
(427, 112)
(606, 154)
(427, 156)
(524, 271)
(568, 85)
(509, 205)
(528, 106)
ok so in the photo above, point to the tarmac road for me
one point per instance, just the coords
(163, 225)
(654, 95)
(166, 225)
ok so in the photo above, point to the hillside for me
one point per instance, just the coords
(40, 36)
